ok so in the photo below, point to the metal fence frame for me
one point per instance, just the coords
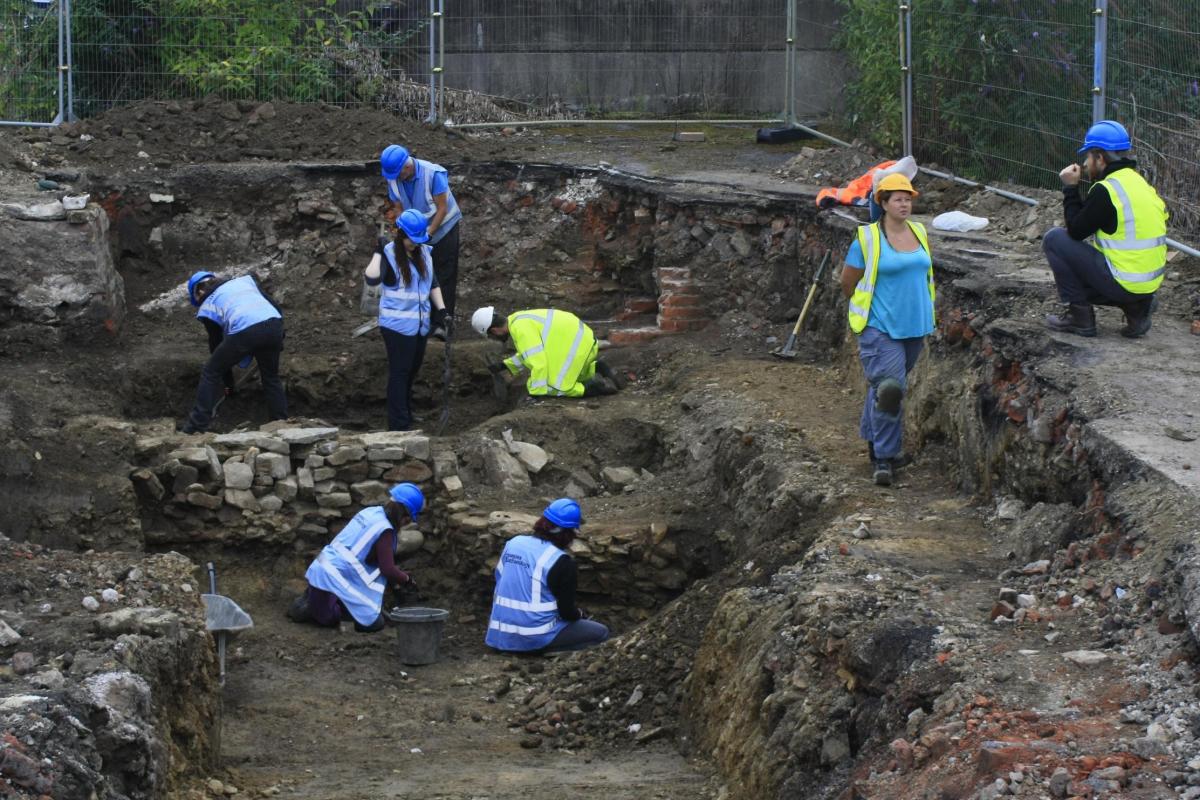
(65, 85)
(1098, 89)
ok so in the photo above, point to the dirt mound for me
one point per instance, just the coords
(164, 133)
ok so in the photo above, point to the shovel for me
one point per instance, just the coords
(789, 348)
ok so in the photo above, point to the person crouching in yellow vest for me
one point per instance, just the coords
(555, 346)
(1126, 221)
(888, 279)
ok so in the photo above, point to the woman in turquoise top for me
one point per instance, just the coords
(888, 280)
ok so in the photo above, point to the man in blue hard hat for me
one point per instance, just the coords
(243, 323)
(425, 186)
(533, 608)
(1126, 220)
(350, 573)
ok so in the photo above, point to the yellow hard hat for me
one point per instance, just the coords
(894, 183)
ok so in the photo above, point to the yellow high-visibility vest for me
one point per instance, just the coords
(1137, 251)
(870, 240)
(556, 347)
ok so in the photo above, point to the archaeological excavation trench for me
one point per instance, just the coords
(1021, 608)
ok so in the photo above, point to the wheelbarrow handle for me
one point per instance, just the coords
(212, 577)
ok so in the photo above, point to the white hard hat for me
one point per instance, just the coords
(481, 320)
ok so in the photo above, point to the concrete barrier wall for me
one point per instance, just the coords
(651, 56)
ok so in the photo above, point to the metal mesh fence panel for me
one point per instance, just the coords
(31, 84)
(635, 57)
(297, 50)
(1154, 88)
(1001, 88)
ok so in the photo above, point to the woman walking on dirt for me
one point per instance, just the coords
(351, 572)
(410, 305)
(888, 279)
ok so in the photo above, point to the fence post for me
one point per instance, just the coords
(62, 67)
(1100, 58)
(789, 66)
(441, 52)
(431, 118)
(70, 110)
(906, 74)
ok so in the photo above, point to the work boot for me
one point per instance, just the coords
(1137, 318)
(883, 472)
(604, 370)
(1077, 318)
(599, 386)
(898, 462)
(888, 395)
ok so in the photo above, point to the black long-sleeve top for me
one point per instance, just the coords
(563, 579)
(1095, 212)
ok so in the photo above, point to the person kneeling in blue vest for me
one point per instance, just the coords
(350, 574)
(533, 608)
(411, 303)
(242, 323)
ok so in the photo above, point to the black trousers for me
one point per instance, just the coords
(405, 354)
(264, 341)
(445, 265)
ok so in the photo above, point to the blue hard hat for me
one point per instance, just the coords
(414, 225)
(409, 496)
(1106, 135)
(564, 513)
(391, 161)
(194, 281)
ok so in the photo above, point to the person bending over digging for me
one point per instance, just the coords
(533, 608)
(243, 322)
(350, 573)
(888, 279)
(557, 348)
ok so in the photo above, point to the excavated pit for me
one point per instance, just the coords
(782, 656)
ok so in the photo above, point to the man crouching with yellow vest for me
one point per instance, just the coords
(557, 348)
(888, 279)
(1123, 265)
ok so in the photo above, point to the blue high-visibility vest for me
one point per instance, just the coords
(524, 610)
(236, 305)
(406, 309)
(341, 566)
(422, 199)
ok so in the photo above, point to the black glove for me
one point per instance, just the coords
(438, 316)
(497, 367)
(381, 243)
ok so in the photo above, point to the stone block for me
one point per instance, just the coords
(412, 443)
(314, 461)
(369, 493)
(147, 484)
(532, 457)
(196, 457)
(323, 487)
(409, 540)
(324, 474)
(287, 489)
(306, 435)
(619, 477)
(344, 455)
(185, 476)
(238, 476)
(353, 473)
(410, 471)
(444, 463)
(204, 500)
(334, 500)
(247, 439)
(263, 482)
(214, 464)
(270, 504)
(304, 482)
(510, 523)
(503, 470)
(453, 486)
(275, 465)
(386, 454)
(241, 498)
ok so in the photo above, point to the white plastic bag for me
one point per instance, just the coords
(906, 166)
(959, 221)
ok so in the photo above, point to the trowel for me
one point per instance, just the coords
(788, 351)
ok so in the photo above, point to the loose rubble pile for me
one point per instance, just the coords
(107, 684)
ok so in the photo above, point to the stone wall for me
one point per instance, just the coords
(58, 279)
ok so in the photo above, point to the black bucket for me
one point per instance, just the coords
(418, 632)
